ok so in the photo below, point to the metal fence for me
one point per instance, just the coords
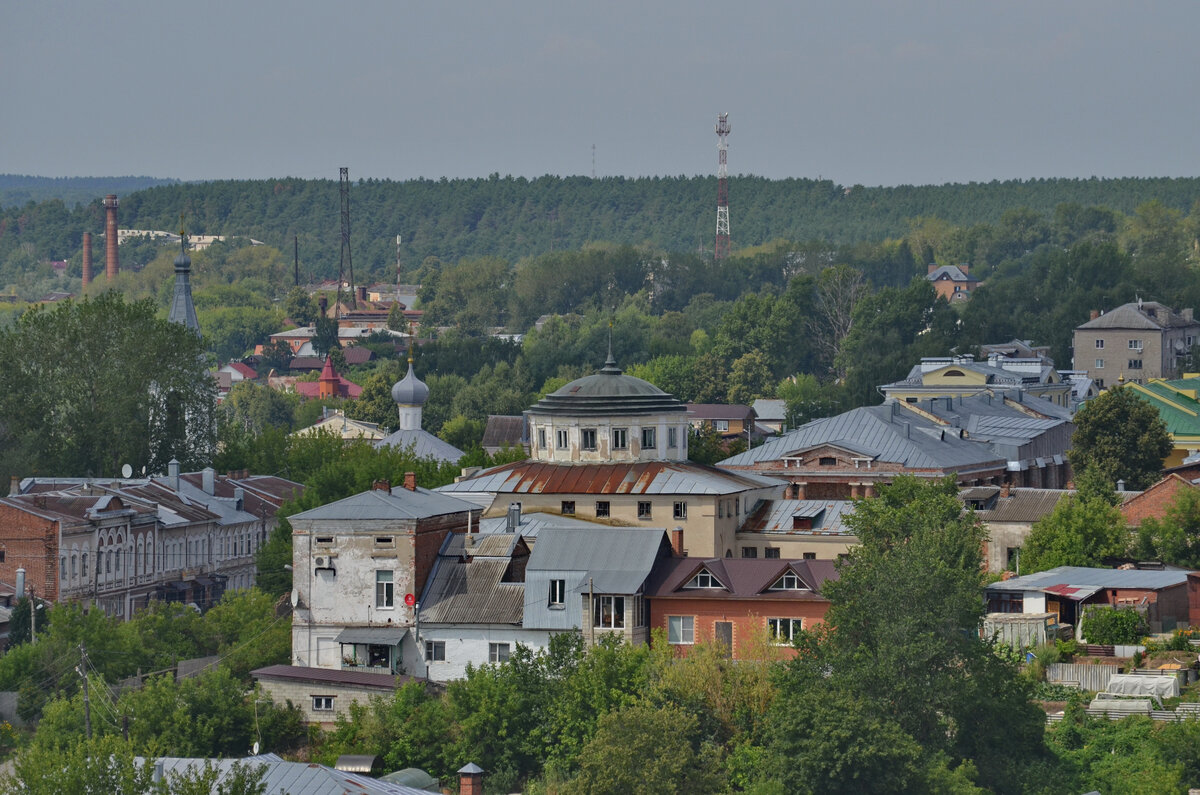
(1085, 677)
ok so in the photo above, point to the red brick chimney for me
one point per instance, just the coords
(1006, 490)
(677, 542)
(410, 483)
(381, 485)
(470, 779)
(111, 263)
(1095, 313)
(932, 267)
(87, 258)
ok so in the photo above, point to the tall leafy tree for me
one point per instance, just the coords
(89, 386)
(1121, 437)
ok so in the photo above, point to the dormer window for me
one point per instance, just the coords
(704, 580)
(788, 582)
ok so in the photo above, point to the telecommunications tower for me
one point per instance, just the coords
(721, 251)
(345, 263)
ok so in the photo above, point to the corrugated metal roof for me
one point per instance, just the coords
(336, 676)
(648, 477)
(385, 635)
(775, 516)
(1081, 577)
(1022, 505)
(1139, 315)
(472, 590)
(532, 523)
(294, 778)
(399, 503)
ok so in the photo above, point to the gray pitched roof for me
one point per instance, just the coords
(776, 516)
(399, 503)
(617, 559)
(1085, 578)
(951, 272)
(424, 445)
(882, 433)
(294, 778)
(1138, 315)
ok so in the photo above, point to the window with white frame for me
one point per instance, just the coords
(541, 438)
(435, 651)
(1135, 364)
(385, 593)
(649, 439)
(784, 630)
(587, 439)
(558, 593)
(680, 509)
(498, 652)
(644, 509)
(608, 612)
(788, 582)
(322, 703)
(1135, 345)
(720, 425)
(560, 438)
(620, 438)
(681, 630)
(1099, 364)
(1099, 345)
(704, 579)
(672, 438)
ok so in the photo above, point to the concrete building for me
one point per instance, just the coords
(359, 565)
(1009, 515)
(1134, 343)
(962, 376)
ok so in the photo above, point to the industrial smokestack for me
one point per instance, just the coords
(111, 263)
(87, 258)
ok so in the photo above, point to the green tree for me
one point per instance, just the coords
(1080, 531)
(1120, 436)
(102, 766)
(301, 307)
(123, 386)
(1175, 537)
(646, 748)
(750, 378)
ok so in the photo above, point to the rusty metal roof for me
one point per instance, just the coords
(648, 477)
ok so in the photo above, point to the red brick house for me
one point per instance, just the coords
(1154, 501)
(737, 601)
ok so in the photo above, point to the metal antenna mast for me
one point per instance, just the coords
(721, 251)
(346, 263)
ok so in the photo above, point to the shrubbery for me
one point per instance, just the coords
(1113, 626)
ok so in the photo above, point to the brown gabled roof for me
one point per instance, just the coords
(742, 578)
(503, 429)
(719, 411)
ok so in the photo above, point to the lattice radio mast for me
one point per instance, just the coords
(721, 251)
(346, 263)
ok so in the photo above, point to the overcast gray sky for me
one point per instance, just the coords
(877, 93)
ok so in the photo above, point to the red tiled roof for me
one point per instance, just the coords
(246, 370)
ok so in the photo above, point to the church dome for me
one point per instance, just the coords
(608, 392)
(410, 390)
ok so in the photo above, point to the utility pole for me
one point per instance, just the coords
(296, 260)
(87, 704)
(32, 617)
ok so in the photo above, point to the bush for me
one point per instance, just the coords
(1113, 626)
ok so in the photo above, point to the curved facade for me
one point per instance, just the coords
(608, 417)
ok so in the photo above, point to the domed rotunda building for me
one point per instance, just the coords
(612, 449)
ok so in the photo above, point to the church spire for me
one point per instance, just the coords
(182, 310)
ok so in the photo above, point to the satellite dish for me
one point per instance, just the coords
(295, 597)
(126, 471)
(256, 749)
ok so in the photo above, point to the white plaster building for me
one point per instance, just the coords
(359, 565)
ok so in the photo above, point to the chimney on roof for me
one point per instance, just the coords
(514, 517)
(410, 481)
(1006, 489)
(470, 779)
(208, 480)
(1121, 484)
(1095, 313)
(677, 542)
(965, 268)
(239, 498)
(381, 485)
(21, 582)
(362, 293)
(14, 486)
(173, 473)
(932, 267)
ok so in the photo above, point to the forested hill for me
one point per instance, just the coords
(515, 217)
(18, 189)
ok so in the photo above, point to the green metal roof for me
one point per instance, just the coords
(1179, 411)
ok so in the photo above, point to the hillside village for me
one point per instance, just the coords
(609, 516)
